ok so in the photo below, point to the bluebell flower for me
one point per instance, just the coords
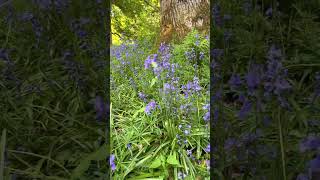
(281, 85)
(253, 77)
(207, 149)
(37, 28)
(190, 55)
(215, 53)
(269, 12)
(207, 37)
(217, 15)
(206, 117)
(196, 86)
(274, 53)
(248, 138)
(43, 4)
(283, 102)
(197, 40)
(245, 109)
(235, 81)
(150, 106)
(129, 145)
(168, 88)
(242, 98)
(164, 48)
(303, 177)
(4, 55)
(112, 163)
(231, 143)
(201, 55)
(214, 65)
(206, 107)
(148, 62)
(310, 143)
(186, 132)
(26, 16)
(189, 152)
(101, 108)
(185, 141)
(273, 69)
(216, 114)
(181, 175)
(142, 96)
(217, 96)
(314, 164)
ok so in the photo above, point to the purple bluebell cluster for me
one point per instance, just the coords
(36, 26)
(112, 163)
(142, 96)
(148, 62)
(4, 55)
(311, 142)
(254, 77)
(101, 109)
(313, 169)
(189, 154)
(207, 149)
(235, 81)
(216, 53)
(245, 109)
(191, 55)
(162, 82)
(206, 117)
(58, 5)
(217, 15)
(191, 87)
(150, 107)
(168, 88)
(181, 175)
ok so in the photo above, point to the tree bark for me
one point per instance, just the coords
(178, 17)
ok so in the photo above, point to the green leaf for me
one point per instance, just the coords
(163, 160)
(296, 134)
(100, 154)
(172, 159)
(137, 112)
(154, 80)
(156, 163)
(143, 160)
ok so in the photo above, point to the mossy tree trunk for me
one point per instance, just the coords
(178, 17)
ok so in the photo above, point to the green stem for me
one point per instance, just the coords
(282, 146)
(2, 152)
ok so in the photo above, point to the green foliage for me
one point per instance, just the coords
(154, 151)
(135, 20)
(294, 32)
(47, 108)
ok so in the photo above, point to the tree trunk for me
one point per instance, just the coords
(178, 17)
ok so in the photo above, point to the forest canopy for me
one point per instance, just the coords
(138, 19)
